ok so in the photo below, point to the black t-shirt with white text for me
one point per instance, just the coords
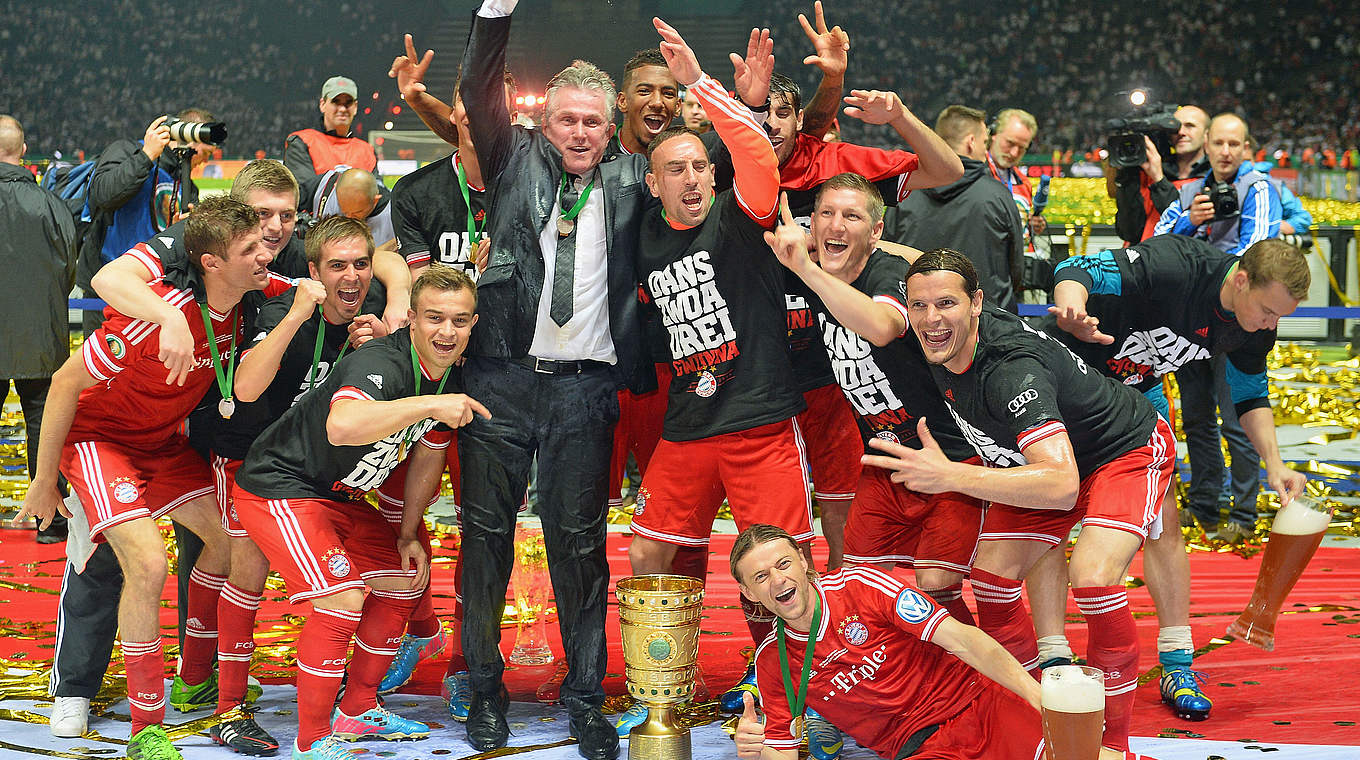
(719, 292)
(432, 219)
(294, 458)
(1024, 386)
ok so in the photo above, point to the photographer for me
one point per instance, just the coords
(1142, 193)
(1234, 205)
(138, 189)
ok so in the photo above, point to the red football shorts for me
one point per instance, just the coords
(117, 484)
(759, 470)
(638, 430)
(997, 725)
(833, 442)
(321, 547)
(224, 475)
(1124, 493)
(891, 523)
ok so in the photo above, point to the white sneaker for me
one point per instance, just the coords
(70, 716)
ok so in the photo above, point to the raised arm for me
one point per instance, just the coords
(358, 421)
(987, 657)
(409, 71)
(395, 275)
(123, 283)
(939, 164)
(832, 53)
(483, 89)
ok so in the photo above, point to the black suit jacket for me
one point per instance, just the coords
(522, 171)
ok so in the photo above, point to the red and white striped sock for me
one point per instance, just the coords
(236, 611)
(423, 623)
(951, 598)
(1002, 614)
(375, 644)
(200, 626)
(144, 663)
(1113, 648)
(323, 648)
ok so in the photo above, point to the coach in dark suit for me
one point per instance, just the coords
(558, 335)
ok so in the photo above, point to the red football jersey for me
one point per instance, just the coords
(875, 674)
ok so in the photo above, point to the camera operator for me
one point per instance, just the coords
(1234, 205)
(1142, 193)
(132, 195)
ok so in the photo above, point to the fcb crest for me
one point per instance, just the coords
(337, 562)
(124, 490)
(887, 435)
(853, 631)
(707, 384)
(913, 607)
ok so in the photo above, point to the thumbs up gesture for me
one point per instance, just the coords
(750, 736)
(924, 470)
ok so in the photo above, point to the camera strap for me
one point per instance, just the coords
(326, 191)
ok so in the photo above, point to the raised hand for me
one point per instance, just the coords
(409, 71)
(1081, 325)
(751, 75)
(156, 138)
(874, 106)
(679, 57)
(832, 45)
(789, 241)
(924, 470)
(750, 735)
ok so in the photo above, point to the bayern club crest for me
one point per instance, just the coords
(337, 563)
(887, 435)
(855, 633)
(124, 490)
(707, 384)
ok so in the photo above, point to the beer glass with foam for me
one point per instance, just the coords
(1072, 698)
(1294, 538)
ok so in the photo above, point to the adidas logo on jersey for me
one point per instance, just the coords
(376, 380)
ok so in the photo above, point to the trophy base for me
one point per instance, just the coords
(533, 655)
(643, 746)
(1245, 629)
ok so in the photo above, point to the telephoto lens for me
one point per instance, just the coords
(212, 133)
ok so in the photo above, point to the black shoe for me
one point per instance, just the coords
(486, 725)
(244, 735)
(54, 533)
(597, 739)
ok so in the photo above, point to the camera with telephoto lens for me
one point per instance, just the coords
(211, 133)
(1125, 147)
(1224, 197)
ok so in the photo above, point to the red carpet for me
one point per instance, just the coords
(1303, 692)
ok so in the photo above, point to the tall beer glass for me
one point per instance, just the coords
(1294, 538)
(1073, 702)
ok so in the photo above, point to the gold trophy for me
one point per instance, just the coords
(1294, 537)
(531, 583)
(659, 615)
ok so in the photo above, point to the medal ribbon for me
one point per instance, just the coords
(798, 698)
(580, 202)
(316, 352)
(474, 232)
(224, 377)
(415, 370)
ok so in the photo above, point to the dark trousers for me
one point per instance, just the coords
(87, 616)
(569, 421)
(32, 398)
(1205, 397)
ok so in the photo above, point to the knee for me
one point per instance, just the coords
(349, 600)
(933, 579)
(1093, 572)
(145, 573)
(647, 556)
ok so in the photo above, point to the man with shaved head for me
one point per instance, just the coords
(355, 193)
(1142, 193)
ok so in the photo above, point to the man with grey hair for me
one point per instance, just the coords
(37, 248)
(559, 334)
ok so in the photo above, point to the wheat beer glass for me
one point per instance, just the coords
(1072, 698)
(1294, 538)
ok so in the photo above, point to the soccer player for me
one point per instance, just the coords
(856, 291)
(1062, 443)
(884, 663)
(112, 428)
(1141, 312)
(299, 496)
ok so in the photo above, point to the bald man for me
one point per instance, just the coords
(355, 193)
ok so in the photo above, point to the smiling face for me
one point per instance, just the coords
(441, 323)
(682, 177)
(944, 317)
(774, 574)
(783, 124)
(246, 266)
(845, 232)
(337, 114)
(577, 124)
(278, 217)
(346, 269)
(648, 102)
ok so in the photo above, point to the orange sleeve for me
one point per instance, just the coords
(753, 161)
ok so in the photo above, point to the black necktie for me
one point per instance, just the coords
(564, 271)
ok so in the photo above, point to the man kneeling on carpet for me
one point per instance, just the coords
(879, 667)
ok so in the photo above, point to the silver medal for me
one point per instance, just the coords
(565, 226)
(226, 407)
